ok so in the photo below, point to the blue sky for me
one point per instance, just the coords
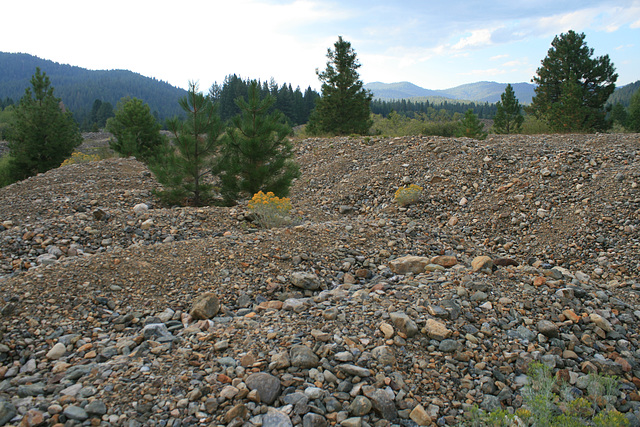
(434, 44)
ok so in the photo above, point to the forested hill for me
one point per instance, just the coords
(623, 94)
(84, 92)
(79, 88)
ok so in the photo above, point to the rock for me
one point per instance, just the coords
(33, 417)
(384, 355)
(205, 306)
(307, 281)
(352, 422)
(449, 346)
(420, 416)
(436, 330)
(303, 357)
(404, 323)
(354, 370)
(601, 322)
(7, 412)
(314, 420)
(74, 412)
(267, 386)
(140, 208)
(504, 262)
(409, 264)
(547, 328)
(238, 411)
(360, 406)
(57, 351)
(383, 404)
(157, 332)
(446, 261)
(275, 418)
(345, 209)
(387, 330)
(483, 264)
(96, 407)
(280, 361)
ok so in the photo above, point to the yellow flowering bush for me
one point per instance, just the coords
(407, 195)
(78, 157)
(270, 210)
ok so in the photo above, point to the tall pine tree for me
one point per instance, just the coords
(256, 152)
(570, 78)
(344, 107)
(185, 170)
(44, 132)
(509, 117)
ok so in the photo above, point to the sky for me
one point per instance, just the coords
(433, 44)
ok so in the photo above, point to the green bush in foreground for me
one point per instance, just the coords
(543, 407)
(5, 173)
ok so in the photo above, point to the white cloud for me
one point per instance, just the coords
(478, 38)
(496, 57)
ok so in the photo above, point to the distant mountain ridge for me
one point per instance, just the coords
(477, 92)
(79, 88)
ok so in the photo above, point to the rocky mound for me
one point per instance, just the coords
(118, 311)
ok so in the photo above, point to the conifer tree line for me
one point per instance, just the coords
(434, 111)
(294, 104)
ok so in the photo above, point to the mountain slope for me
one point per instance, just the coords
(401, 90)
(491, 91)
(477, 92)
(623, 94)
(79, 88)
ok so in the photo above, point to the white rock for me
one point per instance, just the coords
(140, 208)
(57, 351)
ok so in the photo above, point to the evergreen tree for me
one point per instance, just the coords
(344, 107)
(619, 114)
(183, 169)
(509, 117)
(633, 119)
(7, 122)
(134, 128)
(569, 78)
(471, 127)
(256, 154)
(44, 132)
(105, 112)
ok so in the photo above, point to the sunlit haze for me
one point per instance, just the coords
(434, 44)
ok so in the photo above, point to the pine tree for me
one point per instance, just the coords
(134, 128)
(256, 154)
(508, 118)
(471, 127)
(569, 76)
(619, 114)
(183, 169)
(633, 118)
(345, 106)
(44, 132)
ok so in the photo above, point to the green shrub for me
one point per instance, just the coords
(543, 407)
(446, 129)
(534, 126)
(5, 175)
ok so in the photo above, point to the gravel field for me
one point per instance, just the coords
(118, 311)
